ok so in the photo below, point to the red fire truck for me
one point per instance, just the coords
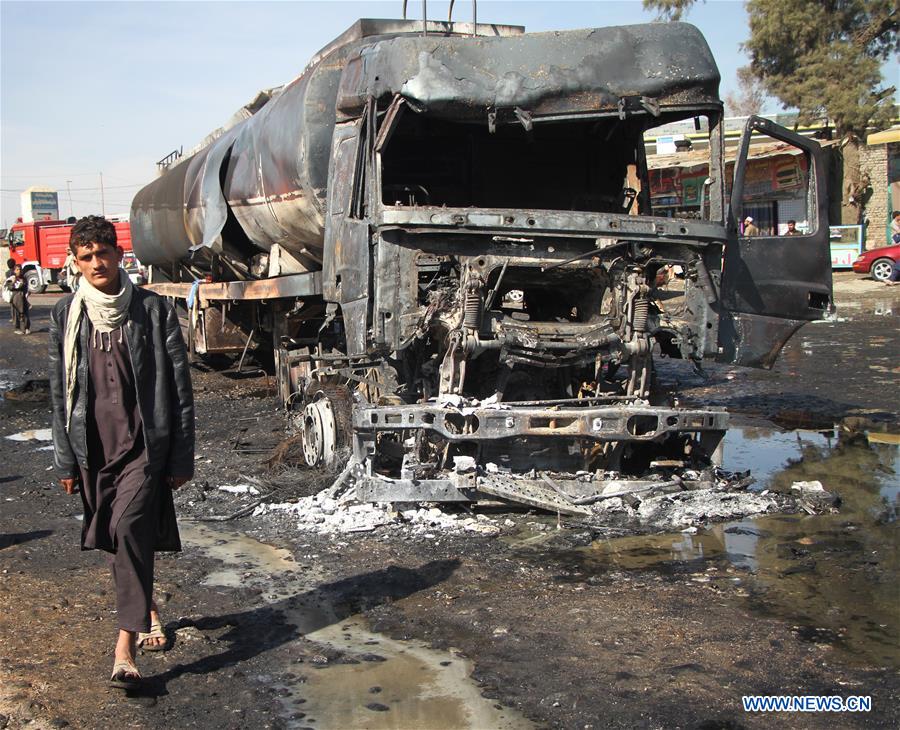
(41, 247)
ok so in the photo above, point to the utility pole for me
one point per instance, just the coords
(69, 191)
(102, 198)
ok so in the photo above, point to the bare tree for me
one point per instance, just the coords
(750, 96)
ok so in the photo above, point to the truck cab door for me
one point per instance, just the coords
(347, 265)
(773, 283)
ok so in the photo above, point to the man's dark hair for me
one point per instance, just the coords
(792, 221)
(895, 213)
(10, 263)
(92, 229)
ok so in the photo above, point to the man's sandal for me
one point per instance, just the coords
(156, 632)
(125, 675)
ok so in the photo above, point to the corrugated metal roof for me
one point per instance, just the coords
(694, 158)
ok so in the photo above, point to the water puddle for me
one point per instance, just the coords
(245, 561)
(361, 679)
(414, 687)
(831, 575)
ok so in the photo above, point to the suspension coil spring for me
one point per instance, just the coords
(641, 312)
(473, 309)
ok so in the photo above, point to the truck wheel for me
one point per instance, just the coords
(34, 283)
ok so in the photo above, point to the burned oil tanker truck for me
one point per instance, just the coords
(447, 235)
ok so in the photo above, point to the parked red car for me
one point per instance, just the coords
(879, 262)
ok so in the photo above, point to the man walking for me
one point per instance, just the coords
(123, 427)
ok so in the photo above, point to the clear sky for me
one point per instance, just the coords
(112, 87)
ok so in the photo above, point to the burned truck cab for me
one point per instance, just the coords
(494, 257)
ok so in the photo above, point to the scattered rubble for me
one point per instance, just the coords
(325, 514)
(703, 506)
(670, 504)
(670, 496)
(814, 498)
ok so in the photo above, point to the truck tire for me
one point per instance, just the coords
(34, 283)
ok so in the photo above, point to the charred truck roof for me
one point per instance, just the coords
(449, 241)
(546, 74)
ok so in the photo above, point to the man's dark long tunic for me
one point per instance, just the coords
(119, 490)
(117, 458)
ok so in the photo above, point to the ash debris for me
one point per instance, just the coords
(683, 501)
(323, 514)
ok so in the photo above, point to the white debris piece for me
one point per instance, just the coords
(809, 487)
(239, 489)
(611, 506)
(482, 525)
(463, 464)
(34, 434)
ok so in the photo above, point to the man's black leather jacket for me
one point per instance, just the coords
(162, 378)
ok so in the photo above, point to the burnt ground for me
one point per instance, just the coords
(565, 643)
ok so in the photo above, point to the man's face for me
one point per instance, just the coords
(99, 265)
(792, 226)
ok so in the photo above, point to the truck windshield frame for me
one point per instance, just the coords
(607, 207)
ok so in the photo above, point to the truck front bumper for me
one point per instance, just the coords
(497, 424)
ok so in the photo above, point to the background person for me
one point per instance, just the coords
(10, 265)
(123, 427)
(18, 287)
(792, 229)
(750, 228)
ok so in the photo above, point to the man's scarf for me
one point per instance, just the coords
(107, 312)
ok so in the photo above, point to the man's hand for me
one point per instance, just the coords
(70, 484)
(175, 482)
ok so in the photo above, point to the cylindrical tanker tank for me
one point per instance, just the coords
(263, 182)
(267, 174)
(158, 232)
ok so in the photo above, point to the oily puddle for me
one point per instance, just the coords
(375, 682)
(833, 576)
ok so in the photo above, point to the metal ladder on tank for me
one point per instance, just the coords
(449, 15)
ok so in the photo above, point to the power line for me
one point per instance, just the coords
(97, 187)
(71, 174)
